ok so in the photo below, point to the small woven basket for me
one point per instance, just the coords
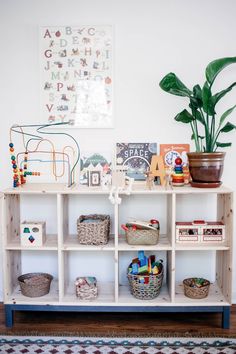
(35, 284)
(146, 291)
(93, 233)
(142, 237)
(86, 290)
(195, 292)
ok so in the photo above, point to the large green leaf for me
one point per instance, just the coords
(221, 94)
(197, 93)
(228, 127)
(226, 114)
(207, 100)
(223, 144)
(215, 67)
(172, 84)
(184, 117)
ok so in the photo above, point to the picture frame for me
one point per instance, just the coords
(76, 75)
(94, 178)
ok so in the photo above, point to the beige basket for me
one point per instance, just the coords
(85, 288)
(35, 284)
(142, 237)
(146, 291)
(195, 292)
(93, 233)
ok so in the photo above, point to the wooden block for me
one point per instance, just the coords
(157, 168)
(32, 234)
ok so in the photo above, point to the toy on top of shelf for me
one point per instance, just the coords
(178, 176)
(149, 180)
(32, 146)
(120, 184)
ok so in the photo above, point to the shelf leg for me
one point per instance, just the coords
(226, 317)
(8, 316)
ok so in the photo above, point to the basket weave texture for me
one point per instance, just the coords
(93, 233)
(146, 291)
(195, 292)
(35, 284)
(86, 291)
(142, 237)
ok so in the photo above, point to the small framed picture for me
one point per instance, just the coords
(94, 178)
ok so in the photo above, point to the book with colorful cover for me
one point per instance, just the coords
(170, 152)
(137, 157)
(91, 161)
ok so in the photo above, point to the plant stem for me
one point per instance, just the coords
(195, 136)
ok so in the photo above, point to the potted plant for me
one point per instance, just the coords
(206, 164)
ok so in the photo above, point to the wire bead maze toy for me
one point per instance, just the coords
(32, 142)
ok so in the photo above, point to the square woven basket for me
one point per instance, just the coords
(142, 237)
(94, 232)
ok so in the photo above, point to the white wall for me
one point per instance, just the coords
(151, 38)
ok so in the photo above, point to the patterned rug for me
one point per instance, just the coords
(116, 345)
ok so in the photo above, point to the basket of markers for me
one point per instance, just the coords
(145, 276)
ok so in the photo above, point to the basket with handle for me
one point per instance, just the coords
(35, 284)
(93, 229)
(142, 236)
(196, 292)
(146, 290)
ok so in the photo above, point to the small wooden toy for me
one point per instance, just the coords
(149, 180)
(32, 234)
(178, 176)
(157, 168)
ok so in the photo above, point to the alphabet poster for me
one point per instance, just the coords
(76, 75)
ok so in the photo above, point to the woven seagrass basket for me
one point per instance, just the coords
(142, 237)
(195, 292)
(35, 284)
(146, 291)
(95, 232)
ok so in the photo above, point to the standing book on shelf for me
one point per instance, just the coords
(137, 157)
(170, 152)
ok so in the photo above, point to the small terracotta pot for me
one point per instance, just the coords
(206, 167)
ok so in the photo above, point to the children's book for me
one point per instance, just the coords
(90, 162)
(170, 152)
(137, 157)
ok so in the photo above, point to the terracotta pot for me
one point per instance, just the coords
(206, 167)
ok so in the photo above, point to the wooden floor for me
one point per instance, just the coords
(130, 324)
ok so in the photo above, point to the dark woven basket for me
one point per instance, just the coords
(94, 233)
(195, 292)
(146, 291)
(35, 284)
(142, 237)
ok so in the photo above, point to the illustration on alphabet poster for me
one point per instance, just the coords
(76, 75)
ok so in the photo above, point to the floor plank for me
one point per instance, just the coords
(130, 324)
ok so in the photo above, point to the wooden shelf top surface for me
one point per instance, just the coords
(138, 188)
